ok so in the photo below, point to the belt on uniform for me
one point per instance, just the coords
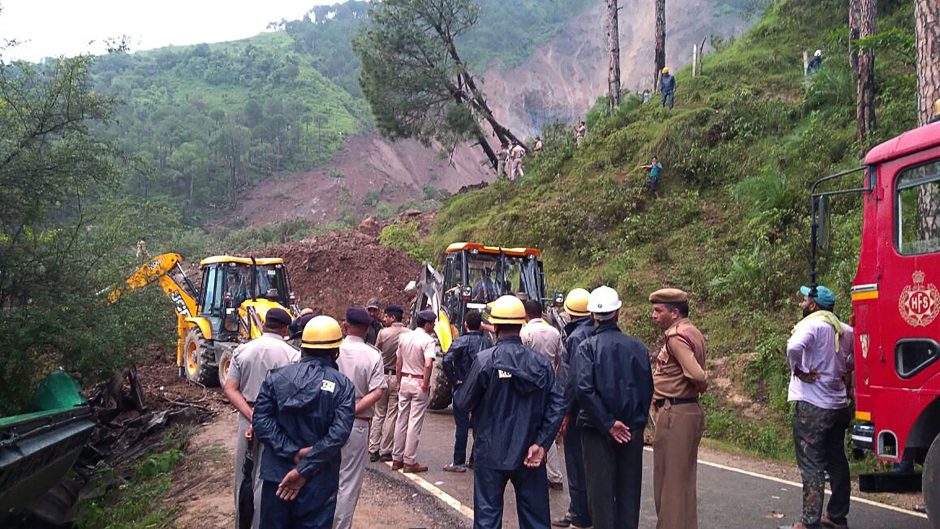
(367, 419)
(412, 375)
(390, 371)
(674, 401)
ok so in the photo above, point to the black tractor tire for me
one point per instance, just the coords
(198, 362)
(931, 483)
(224, 362)
(441, 392)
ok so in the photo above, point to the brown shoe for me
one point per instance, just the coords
(414, 469)
(397, 465)
(827, 522)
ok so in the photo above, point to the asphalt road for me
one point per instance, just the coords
(728, 499)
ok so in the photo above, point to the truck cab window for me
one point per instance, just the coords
(917, 203)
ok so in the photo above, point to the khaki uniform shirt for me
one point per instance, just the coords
(544, 338)
(387, 343)
(414, 348)
(679, 371)
(362, 364)
(252, 361)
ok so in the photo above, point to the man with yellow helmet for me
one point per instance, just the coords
(578, 328)
(303, 415)
(516, 408)
(667, 86)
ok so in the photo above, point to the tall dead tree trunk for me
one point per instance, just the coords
(659, 57)
(613, 51)
(863, 17)
(927, 30)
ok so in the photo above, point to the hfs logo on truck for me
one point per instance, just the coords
(919, 303)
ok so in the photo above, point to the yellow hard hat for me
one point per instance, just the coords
(507, 310)
(576, 302)
(306, 311)
(936, 109)
(321, 332)
(665, 70)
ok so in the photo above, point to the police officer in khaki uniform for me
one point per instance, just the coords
(678, 379)
(250, 364)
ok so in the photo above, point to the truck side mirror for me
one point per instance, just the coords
(821, 220)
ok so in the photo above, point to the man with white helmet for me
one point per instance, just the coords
(815, 63)
(614, 390)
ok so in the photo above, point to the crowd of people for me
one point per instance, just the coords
(359, 390)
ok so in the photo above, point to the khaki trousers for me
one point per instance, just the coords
(382, 433)
(412, 403)
(241, 449)
(553, 465)
(675, 453)
(350, 474)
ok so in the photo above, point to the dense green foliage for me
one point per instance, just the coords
(740, 151)
(64, 234)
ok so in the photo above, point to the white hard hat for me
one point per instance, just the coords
(605, 302)
(818, 53)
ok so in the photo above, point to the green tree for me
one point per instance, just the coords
(414, 79)
(63, 235)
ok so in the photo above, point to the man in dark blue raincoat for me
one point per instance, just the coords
(457, 363)
(614, 391)
(516, 408)
(303, 415)
(577, 330)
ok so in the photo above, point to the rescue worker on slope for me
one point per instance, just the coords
(250, 364)
(614, 390)
(578, 328)
(456, 365)
(362, 364)
(667, 85)
(516, 408)
(303, 415)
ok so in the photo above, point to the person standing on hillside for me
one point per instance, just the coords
(375, 325)
(679, 378)
(516, 155)
(303, 415)
(815, 63)
(382, 432)
(580, 131)
(614, 389)
(538, 144)
(541, 337)
(416, 352)
(250, 364)
(456, 365)
(502, 160)
(516, 407)
(820, 357)
(362, 365)
(579, 327)
(656, 169)
(667, 86)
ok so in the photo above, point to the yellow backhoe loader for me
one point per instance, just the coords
(226, 310)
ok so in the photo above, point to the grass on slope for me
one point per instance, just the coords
(740, 150)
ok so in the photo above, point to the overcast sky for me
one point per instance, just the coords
(49, 28)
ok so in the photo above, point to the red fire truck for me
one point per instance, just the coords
(896, 304)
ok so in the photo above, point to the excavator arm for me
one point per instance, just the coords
(157, 270)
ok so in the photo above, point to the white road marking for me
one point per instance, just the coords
(451, 501)
(800, 486)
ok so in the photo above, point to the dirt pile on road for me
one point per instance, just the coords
(343, 268)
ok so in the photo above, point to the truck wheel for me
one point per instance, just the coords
(225, 360)
(931, 483)
(441, 395)
(198, 362)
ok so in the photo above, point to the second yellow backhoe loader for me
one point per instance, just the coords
(226, 310)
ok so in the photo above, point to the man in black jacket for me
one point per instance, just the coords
(457, 363)
(578, 329)
(614, 390)
(516, 408)
(303, 415)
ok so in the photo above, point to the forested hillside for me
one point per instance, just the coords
(740, 150)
